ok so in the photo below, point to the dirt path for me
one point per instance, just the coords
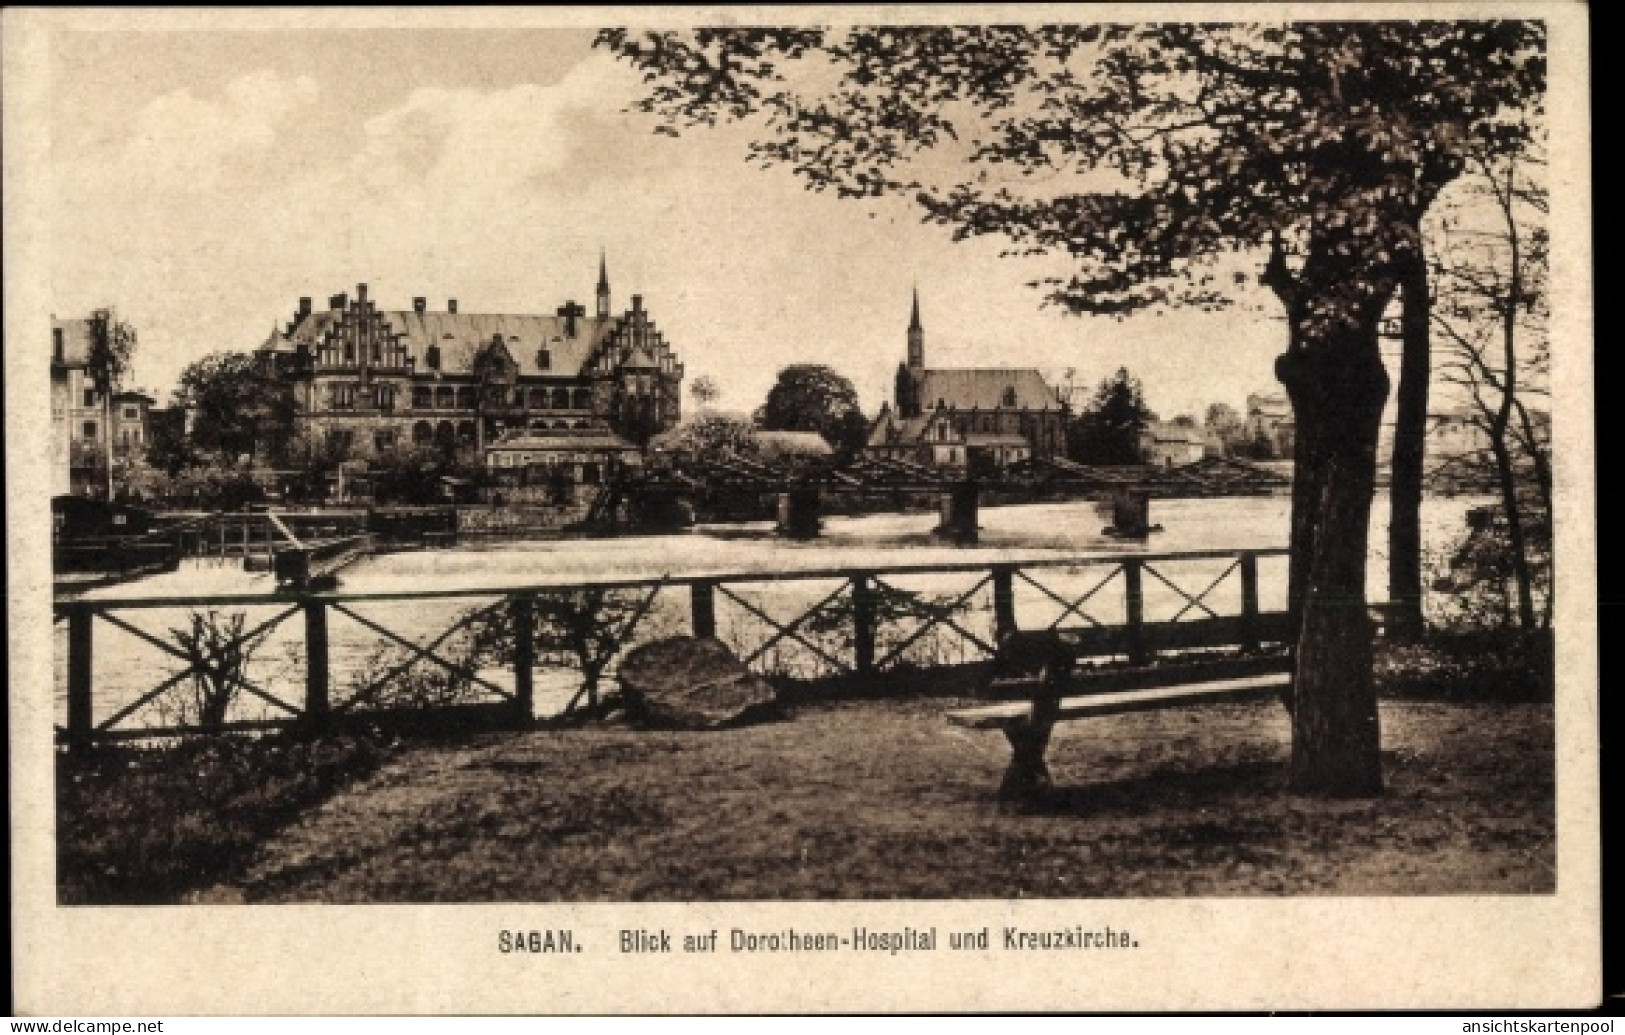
(884, 800)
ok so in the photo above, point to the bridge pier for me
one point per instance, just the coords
(799, 509)
(960, 509)
(1131, 514)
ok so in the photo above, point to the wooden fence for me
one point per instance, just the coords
(859, 622)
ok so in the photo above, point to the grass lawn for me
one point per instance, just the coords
(883, 799)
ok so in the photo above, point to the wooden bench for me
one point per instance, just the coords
(1034, 675)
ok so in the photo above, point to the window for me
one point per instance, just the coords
(339, 440)
(445, 398)
(432, 357)
(90, 397)
(422, 397)
(386, 397)
(1009, 397)
(465, 398)
(561, 398)
(343, 396)
(582, 399)
(89, 430)
(383, 440)
(132, 413)
(544, 360)
(538, 398)
(422, 433)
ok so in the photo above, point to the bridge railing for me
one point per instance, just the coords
(253, 661)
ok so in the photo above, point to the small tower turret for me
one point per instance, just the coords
(916, 337)
(603, 287)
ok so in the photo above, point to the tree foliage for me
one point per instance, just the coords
(112, 348)
(711, 436)
(1108, 429)
(240, 409)
(811, 397)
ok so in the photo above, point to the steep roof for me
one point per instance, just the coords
(460, 336)
(986, 388)
(890, 430)
(1167, 431)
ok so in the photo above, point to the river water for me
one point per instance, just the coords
(124, 665)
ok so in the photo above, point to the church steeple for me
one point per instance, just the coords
(603, 285)
(916, 337)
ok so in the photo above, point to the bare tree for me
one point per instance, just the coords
(1491, 313)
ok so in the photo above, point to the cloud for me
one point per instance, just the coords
(181, 140)
(452, 140)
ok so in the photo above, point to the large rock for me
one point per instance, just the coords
(689, 683)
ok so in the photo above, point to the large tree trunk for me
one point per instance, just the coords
(1410, 437)
(1336, 381)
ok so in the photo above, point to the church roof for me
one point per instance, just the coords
(985, 388)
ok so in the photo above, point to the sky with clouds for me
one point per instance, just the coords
(203, 181)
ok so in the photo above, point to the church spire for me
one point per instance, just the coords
(603, 285)
(916, 337)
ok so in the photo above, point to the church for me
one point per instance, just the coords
(369, 381)
(968, 418)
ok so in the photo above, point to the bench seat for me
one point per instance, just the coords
(1248, 688)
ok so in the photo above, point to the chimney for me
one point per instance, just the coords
(420, 304)
(336, 301)
(361, 295)
(451, 305)
(304, 306)
(637, 303)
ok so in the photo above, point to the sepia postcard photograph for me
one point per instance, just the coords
(802, 509)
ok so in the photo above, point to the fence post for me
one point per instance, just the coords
(863, 624)
(703, 609)
(1249, 601)
(316, 671)
(1004, 602)
(1134, 612)
(524, 657)
(80, 715)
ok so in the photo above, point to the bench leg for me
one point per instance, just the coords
(1028, 775)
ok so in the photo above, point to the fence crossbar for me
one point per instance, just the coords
(459, 670)
(1196, 601)
(621, 637)
(367, 692)
(1203, 595)
(764, 616)
(789, 630)
(191, 665)
(937, 616)
(1076, 606)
